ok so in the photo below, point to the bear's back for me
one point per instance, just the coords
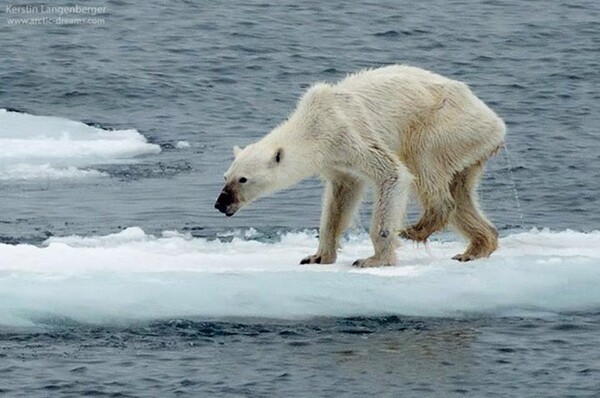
(393, 74)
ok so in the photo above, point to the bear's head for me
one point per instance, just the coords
(257, 170)
(291, 152)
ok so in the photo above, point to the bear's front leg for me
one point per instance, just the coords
(390, 206)
(340, 201)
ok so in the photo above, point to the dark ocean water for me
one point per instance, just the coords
(219, 74)
(356, 357)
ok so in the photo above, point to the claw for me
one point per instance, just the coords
(464, 257)
(373, 262)
(318, 259)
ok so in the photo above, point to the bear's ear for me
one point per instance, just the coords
(278, 155)
(236, 151)
(276, 159)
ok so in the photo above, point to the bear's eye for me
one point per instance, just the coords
(243, 180)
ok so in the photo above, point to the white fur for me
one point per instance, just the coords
(383, 127)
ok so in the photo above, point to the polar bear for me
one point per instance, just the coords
(396, 128)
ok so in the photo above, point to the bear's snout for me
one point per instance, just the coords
(224, 201)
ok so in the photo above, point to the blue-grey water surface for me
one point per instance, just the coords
(217, 74)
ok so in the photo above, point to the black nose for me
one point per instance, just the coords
(221, 207)
(223, 201)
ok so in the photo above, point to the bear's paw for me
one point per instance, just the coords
(318, 259)
(374, 261)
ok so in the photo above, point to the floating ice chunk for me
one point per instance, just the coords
(131, 275)
(51, 147)
(46, 172)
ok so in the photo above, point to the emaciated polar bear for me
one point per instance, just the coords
(397, 128)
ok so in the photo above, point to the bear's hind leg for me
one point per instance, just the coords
(468, 218)
(438, 205)
(340, 201)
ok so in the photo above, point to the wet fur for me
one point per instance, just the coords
(395, 129)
